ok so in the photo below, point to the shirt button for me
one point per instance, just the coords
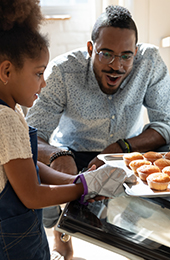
(113, 117)
(110, 97)
(111, 135)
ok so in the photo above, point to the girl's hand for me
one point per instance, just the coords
(97, 198)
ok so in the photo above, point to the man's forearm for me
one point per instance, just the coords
(147, 141)
(64, 164)
(45, 150)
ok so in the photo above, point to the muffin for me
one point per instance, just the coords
(162, 163)
(152, 156)
(137, 163)
(166, 170)
(167, 156)
(158, 181)
(129, 157)
(145, 170)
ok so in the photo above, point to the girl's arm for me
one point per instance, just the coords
(50, 176)
(22, 176)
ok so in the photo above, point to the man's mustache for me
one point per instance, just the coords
(114, 72)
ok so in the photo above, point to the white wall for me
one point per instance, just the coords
(66, 35)
(153, 21)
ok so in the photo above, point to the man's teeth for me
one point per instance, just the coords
(113, 76)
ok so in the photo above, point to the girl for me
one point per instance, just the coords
(23, 58)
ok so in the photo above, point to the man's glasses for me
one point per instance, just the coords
(107, 57)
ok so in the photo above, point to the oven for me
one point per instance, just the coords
(135, 226)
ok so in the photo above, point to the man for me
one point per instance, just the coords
(94, 99)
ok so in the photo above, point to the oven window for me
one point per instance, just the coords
(142, 218)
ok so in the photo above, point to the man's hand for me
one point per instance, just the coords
(65, 164)
(113, 148)
(95, 161)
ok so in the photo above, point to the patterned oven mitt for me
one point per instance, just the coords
(106, 181)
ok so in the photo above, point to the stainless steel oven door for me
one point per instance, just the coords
(135, 227)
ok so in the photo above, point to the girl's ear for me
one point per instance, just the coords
(5, 68)
(90, 48)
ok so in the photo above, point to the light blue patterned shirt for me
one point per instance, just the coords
(89, 120)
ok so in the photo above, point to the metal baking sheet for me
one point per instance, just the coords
(110, 157)
(140, 189)
(114, 156)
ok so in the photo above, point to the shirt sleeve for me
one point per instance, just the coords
(47, 110)
(14, 136)
(157, 99)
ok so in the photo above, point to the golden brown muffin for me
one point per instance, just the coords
(145, 170)
(152, 156)
(158, 181)
(129, 157)
(166, 170)
(167, 156)
(137, 163)
(162, 163)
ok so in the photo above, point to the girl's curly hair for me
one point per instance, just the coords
(20, 22)
(21, 13)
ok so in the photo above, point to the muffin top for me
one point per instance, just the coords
(148, 169)
(167, 156)
(162, 163)
(133, 156)
(138, 163)
(152, 156)
(159, 177)
(166, 170)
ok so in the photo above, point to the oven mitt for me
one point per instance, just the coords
(105, 181)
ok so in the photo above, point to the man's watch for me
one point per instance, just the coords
(125, 145)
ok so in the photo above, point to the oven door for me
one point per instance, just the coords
(135, 227)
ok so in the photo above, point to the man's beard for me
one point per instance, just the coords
(110, 90)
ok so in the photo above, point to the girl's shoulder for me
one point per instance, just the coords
(10, 117)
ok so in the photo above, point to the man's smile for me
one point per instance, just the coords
(112, 80)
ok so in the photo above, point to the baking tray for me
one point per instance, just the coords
(115, 156)
(140, 188)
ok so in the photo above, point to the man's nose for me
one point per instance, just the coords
(116, 63)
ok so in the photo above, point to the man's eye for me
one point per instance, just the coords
(107, 54)
(126, 57)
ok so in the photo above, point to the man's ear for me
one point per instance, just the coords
(5, 68)
(90, 48)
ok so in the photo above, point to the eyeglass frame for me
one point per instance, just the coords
(114, 56)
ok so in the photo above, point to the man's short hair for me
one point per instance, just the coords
(114, 16)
